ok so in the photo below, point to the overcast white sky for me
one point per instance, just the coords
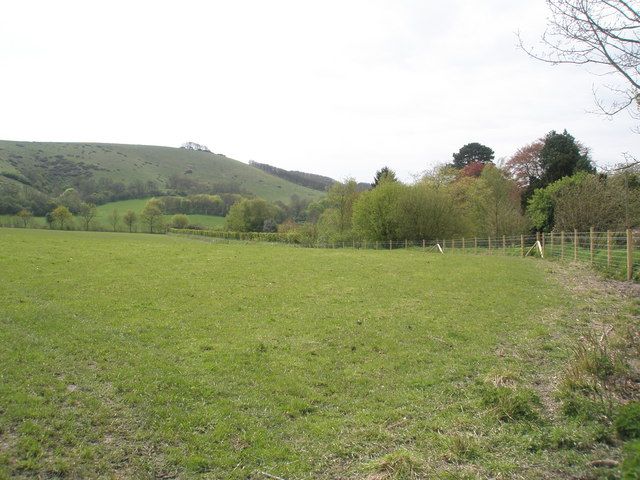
(339, 88)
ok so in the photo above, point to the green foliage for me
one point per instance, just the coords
(540, 210)
(70, 198)
(561, 157)
(631, 464)
(25, 217)
(627, 421)
(130, 218)
(471, 153)
(393, 211)
(152, 215)
(584, 200)
(114, 219)
(103, 173)
(377, 214)
(61, 217)
(180, 220)
(250, 215)
(341, 197)
(87, 212)
(385, 174)
(489, 204)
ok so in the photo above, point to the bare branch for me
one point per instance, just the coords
(599, 32)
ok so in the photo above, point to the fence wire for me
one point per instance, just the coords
(615, 253)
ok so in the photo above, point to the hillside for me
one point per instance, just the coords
(310, 180)
(52, 167)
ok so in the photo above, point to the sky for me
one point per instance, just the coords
(339, 88)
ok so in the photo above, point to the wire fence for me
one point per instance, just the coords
(617, 254)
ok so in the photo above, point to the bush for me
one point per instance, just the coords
(627, 421)
(631, 462)
(180, 221)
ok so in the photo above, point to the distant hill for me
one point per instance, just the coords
(113, 172)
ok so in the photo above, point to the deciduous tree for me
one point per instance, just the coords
(25, 217)
(114, 219)
(152, 215)
(61, 216)
(130, 219)
(603, 33)
(87, 212)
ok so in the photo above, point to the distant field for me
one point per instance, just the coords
(149, 356)
(102, 218)
(209, 221)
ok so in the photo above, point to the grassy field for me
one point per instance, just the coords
(142, 356)
(208, 221)
(124, 163)
(102, 218)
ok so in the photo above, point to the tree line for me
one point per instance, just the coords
(549, 184)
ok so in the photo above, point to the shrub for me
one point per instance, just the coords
(631, 462)
(627, 421)
(180, 221)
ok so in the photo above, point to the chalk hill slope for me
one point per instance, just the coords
(50, 167)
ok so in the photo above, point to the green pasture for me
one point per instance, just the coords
(101, 222)
(137, 205)
(153, 356)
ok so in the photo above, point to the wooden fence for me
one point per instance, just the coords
(615, 253)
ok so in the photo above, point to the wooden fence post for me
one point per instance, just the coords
(608, 248)
(423, 244)
(562, 245)
(475, 244)
(405, 244)
(543, 250)
(376, 244)
(390, 245)
(489, 242)
(453, 244)
(629, 255)
(591, 244)
(444, 244)
(575, 244)
(463, 244)
(551, 242)
(504, 244)
(522, 245)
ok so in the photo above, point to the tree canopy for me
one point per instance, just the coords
(472, 152)
(385, 174)
(560, 156)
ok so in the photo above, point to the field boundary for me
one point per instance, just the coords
(615, 253)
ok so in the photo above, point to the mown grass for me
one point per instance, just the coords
(143, 356)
